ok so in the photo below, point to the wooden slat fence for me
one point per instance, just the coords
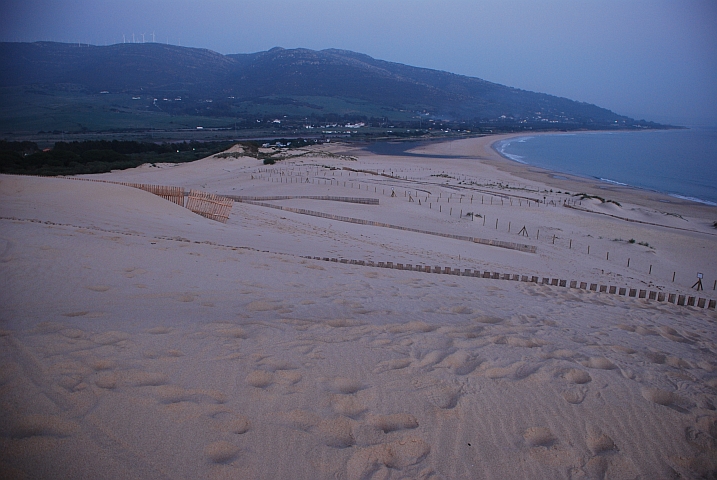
(495, 243)
(360, 200)
(173, 194)
(681, 300)
(209, 205)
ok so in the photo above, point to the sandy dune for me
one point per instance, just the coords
(140, 340)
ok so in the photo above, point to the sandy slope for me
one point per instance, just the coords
(140, 340)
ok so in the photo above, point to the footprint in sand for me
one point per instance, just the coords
(347, 405)
(415, 326)
(394, 364)
(110, 338)
(621, 349)
(336, 432)
(516, 371)
(342, 385)
(677, 362)
(600, 363)
(260, 379)
(655, 357)
(667, 399)
(393, 422)
(99, 288)
(672, 334)
(442, 395)
(221, 452)
(575, 375)
(300, 419)
(145, 379)
(539, 437)
(463, 310)
(606, 461)
(101, 364)
(398, 455)
(524, 342)
(645, 331)
(574, 396)
(73, 333)
(489, 320)
(263, 306)
(232, 332)
(169, 394)
(430, 359)
(232, 422)
(343, 323)
(600, 443)
(42, 426)
(460, 363)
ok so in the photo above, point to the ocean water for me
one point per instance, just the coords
(681, 163)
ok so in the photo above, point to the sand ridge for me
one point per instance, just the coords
(142, 340)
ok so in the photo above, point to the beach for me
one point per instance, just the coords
(141, 340)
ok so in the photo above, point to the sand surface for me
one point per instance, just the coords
(140, 340)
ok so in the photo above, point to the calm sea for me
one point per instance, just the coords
(681, 163)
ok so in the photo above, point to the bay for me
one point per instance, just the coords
(681, 163)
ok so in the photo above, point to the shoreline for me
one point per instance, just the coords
(584, 184)
(590, 178)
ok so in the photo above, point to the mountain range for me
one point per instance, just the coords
(296, 84)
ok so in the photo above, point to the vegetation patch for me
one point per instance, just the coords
(25, 158)
(585, 196)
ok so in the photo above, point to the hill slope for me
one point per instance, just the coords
(299, 83)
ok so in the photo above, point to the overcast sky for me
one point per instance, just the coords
(646, 59)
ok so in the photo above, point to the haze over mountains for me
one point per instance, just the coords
(297, 83)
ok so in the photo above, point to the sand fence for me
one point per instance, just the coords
(217, 207)
(208, 205)
(173, 194)
(494, 243)
(359, 200)
(652, 295)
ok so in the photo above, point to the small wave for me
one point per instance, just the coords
(693, 199)
(515, 158)
(502, 145)
(614, 182)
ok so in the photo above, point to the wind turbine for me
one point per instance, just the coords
(124, 40)
(143, 38)
(152, 37)
(132, 37)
